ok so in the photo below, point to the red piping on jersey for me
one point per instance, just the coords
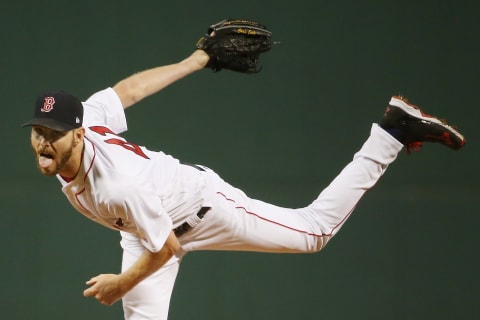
(79, 202)
(93, 159)
(85, 177)
(285, 226)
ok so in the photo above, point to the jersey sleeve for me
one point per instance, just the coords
(105, 108)
(140, 209)
(152, 222)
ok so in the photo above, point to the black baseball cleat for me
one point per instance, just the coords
(415, 127)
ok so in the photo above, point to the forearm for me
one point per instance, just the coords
(148, 82)
(148, 263)
(108, 288)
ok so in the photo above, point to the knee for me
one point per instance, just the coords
(318, 243)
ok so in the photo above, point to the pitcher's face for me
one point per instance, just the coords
(52, 149)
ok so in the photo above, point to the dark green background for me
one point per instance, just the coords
(409, 252)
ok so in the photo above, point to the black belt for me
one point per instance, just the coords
(184, 227)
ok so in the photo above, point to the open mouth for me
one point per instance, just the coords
(46, 155)
(45, 159)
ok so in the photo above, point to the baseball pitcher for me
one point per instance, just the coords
(165, 208)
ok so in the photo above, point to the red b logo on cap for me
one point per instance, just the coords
(48, 105)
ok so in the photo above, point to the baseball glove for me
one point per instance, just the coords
(235, 45)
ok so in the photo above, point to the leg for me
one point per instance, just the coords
(237, 222)
(150, 299)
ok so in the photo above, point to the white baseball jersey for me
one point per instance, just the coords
(127, 187)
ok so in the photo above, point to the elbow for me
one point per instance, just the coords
(172, 244)
(172, 251)
(169, 251)
(175, 247)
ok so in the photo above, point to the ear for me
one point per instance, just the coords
(78, 135)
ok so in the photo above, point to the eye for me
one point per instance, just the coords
(57, 135)
(38, 130)
(48, 134)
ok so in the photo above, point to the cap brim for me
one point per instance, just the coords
(49, 123)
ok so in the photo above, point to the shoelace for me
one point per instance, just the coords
(413, 146)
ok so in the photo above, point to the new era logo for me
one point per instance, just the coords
(48, 104)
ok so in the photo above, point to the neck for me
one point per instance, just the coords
(72, 167)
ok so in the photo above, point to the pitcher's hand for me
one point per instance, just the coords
(106, 288)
